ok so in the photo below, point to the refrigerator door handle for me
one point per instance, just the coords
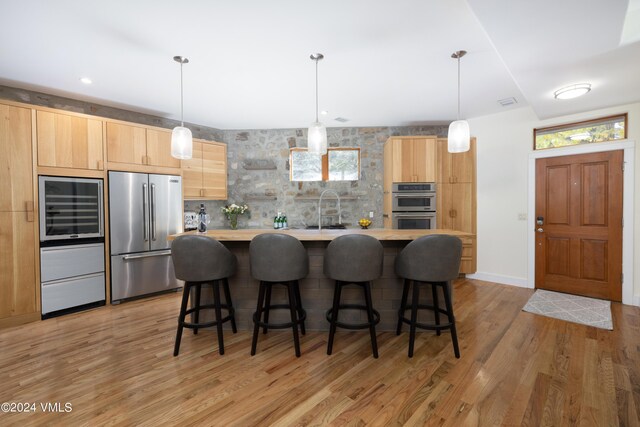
(153, 212)
(145, 210)
(147, 255)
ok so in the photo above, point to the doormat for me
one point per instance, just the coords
(572, 308)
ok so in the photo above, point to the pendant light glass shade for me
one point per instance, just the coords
(181, 138)
(317, 138)
(181, 143)
(317, 134)
(459, 138)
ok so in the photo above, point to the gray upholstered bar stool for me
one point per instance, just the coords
(278, 259)
(200, 260)
(353, 259)
(429, 260)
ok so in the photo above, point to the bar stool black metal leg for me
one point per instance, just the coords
(218, 310)
(196, 314)
(183, 309)
(267, 307)
(334, 315)
(294, 316)
(414, 316)
(372, 326)
(299, 305)
(436, 308)
(452, 319)
(227, 297)
(256, 318)
(403, 304)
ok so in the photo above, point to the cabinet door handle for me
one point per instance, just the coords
(29, 209)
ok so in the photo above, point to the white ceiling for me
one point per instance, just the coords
(386, 62)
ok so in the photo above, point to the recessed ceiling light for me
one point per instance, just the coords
(572, 91)
(324, 112)
(86, 80)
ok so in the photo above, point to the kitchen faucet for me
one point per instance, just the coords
(320, 208)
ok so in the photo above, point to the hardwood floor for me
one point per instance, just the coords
(115, 366)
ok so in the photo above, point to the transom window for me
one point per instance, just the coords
(587, 132)
(339, 164)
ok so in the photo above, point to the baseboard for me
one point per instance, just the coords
(499, 278)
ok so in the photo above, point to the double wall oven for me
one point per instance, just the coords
(414, 205)
(71, 243)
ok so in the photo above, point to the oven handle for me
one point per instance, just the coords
(414, 195)
(405, 215)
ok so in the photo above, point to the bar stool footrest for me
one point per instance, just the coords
(376, 316)
(190, 325)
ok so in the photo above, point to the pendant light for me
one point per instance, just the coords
(317, 135)
(181, 139)
(459, 138)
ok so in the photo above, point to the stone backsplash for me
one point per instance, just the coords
(258, 165)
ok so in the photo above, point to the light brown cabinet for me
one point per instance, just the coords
(455, 167)
(17, 227)
(204, 176)
(67, 141)
(413, 159)
(137, 145)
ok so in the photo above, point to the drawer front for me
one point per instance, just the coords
(72, 292)
(70, 261)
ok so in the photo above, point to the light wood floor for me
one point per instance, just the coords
(115, 366)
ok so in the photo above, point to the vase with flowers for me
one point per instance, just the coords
(232, 211)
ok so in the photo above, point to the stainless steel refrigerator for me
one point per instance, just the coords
(143, 210)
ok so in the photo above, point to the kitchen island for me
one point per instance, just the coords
(316, 289)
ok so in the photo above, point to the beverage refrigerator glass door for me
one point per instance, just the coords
(70, 208)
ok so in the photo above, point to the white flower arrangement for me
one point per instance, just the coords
(234, 209)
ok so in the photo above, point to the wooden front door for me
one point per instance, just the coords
(579, 224)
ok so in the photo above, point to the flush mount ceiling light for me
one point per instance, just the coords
(317, 135)
(86, 80)
(572, 91)
(181, 139)
(459, 137)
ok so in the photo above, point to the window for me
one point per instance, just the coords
(587, 132)
(339, 164)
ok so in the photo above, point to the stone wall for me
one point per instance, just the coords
(259, 175)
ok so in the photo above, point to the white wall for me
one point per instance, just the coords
(504, 142)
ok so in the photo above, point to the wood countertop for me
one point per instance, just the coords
(247, 234)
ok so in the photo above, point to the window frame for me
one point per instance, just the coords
(581, 124)
(324, 162)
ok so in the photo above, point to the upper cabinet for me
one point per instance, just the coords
(204, 176)
(456, 168)
(136, 145)
(413, 159)
(67, 141)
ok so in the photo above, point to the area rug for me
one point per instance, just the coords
(572, 308)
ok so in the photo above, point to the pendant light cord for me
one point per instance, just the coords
(316, 90)
(182, 97)
(458, 87)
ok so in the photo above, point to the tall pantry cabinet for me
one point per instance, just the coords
(18, 298)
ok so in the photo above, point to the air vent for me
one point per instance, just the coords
(341, 119)
(507, 101)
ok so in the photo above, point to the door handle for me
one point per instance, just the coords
(540, 230)
(145, 208)
(153, 212)
(146, 255)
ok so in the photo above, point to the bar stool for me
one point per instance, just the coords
(200, 260)
(429, 260)
(353, 259)
(278, 259)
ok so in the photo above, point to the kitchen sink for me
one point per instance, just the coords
(330, 227)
